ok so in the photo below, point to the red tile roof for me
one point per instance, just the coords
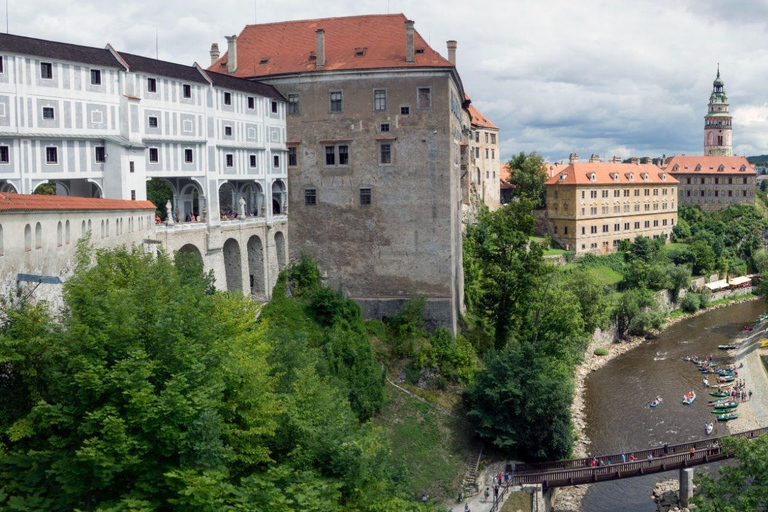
(709, 164)
(478, 119)
(504, 176)
(24, 202)
(286, 46)
(610, 174)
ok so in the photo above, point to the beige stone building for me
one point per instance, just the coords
(593, 206)
(377, 138)
(713, 182)
(484, 145)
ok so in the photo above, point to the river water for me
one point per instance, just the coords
(618, 395)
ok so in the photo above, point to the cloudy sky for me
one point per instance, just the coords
(558, 76)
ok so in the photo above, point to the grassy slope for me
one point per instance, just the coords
(431, 446)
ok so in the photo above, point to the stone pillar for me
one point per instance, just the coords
(541, 500)
(686, 486)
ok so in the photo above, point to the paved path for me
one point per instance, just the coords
(755, 374)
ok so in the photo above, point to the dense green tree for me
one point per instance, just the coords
(591, 296)
(528, 177)
(760, 257)
(682, 230)
(521, 401)
(691, 302)
(511, 268)
(159, 192)
(706, 259)
(631, 304)
(46, 189)
(741, 487)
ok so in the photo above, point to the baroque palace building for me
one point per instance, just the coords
(378, 145)
(484, 144)
(592, 206)
(717, 179)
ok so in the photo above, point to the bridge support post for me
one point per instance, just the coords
(541, 499)
(686, 486)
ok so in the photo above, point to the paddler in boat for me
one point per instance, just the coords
(705, 382)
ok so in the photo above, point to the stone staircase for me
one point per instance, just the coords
(469, 484)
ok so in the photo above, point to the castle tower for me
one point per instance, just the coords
(717, 122)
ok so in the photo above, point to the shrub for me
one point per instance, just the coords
(305, 276)
(647, 321)
(705, 297)
(691, 303)
(600, 351)
(453, 358)
(409, 322)
(329, 306)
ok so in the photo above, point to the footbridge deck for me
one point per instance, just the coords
(580, 471)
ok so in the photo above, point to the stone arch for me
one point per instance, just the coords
(27, 238)
(8, 188)
(190, 201)
(59, 235)
(280, 250)
(67, 232)
(278, 197)
(256, 266)
(232, 266)
(192, 249)
(227, 198)
(38, 236)
(253, 195)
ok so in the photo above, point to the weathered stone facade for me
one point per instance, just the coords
(375, 153)
(713, 182)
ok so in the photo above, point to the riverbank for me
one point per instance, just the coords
(752, 413)
(569, 498)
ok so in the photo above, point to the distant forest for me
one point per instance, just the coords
(758, 159)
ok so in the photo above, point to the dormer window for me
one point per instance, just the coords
(419, 50)
(721, 168)
(698, 167)
(663, 177)
(645, 176)
(631, 176)
(264, 61)
(676, 168)
(743, 168)
(563, 176)
(592, 177)
(359, 52)
(615, 176)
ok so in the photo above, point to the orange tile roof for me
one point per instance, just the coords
(709, 164)
(25, 202)
(286, 46)
(505, 174)
(479, 119)
(610, 174)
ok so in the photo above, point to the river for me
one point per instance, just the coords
(619, 417)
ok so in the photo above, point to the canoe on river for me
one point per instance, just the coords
(729, 416)
(723, 411)
(720, 394)
(726, 378)
(726, 347)
(726, 405)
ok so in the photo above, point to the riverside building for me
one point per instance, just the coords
(593, 206)
(378, 142)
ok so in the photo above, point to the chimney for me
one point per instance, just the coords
(634, 160)
(320, 47)
(215, 53)
(573, 158)
(231, 54)
(452, 51)
(409, 51)
(595, 159)
(616, 159)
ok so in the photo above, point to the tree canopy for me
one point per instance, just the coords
(528, 177)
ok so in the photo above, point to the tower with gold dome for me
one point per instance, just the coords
(717, 123)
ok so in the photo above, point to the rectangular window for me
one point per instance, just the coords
(276, 161)
(593, 229)
(252, 160)
(131, 166)
(293, 103)
(251, 103)
(404, 111)
(583, 230)
(293, 159)
(230, 158)
(384, 127)
(48, 113)
(310, 196)
(186, 91)
(336, 101)
(188, 156)
(227, 98)
(152, 122)
(647, 223)
(274, 107)
(5, 155)
(637, 225)
(605, 228)
(365, 196)
(385, 154)
(424, 98)
(486, 137)
(154, 155)
(133, 195)
(228, 131)
(486, 152)
(330, 155)
(151, 85)
(493, 138)
(379, 100)
(101, 154)
(46, 70)
(2, 64)
(95, 77)
(626, 226)
(52, 155)
(565, 230)
(655, 223)
(343, 155)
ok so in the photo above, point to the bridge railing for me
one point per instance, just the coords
(565, 477)
(640, 455)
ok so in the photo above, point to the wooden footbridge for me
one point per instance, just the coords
(610, 467)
